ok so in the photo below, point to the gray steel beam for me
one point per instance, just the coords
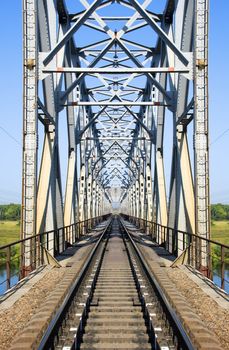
(160, 32)
(116, 103)
(79, 70)
(71, 31)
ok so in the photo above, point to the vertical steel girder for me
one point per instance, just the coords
(30, 136)
(201, 124)
(116, 94)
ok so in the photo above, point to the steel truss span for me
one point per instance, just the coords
(121, 74)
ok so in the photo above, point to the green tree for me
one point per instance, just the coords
(10, 211)
(219, 211)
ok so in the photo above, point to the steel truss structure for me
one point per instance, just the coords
(116, 70)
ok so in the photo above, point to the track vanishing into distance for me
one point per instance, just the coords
(115, 303)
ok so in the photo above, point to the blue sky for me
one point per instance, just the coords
(11, 101)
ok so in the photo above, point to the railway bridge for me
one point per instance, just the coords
(122, 86)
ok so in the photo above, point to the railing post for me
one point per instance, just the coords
(191, 243)
(57, 241)
(222, 267)
(39, 250)
(170, 240)
(42, 250)
(71, 234)
(75, 232)
(200, 253)
(196, 253)
(8, 267)
(80, 229)
(63, 239)
(173, 241)
(66, 234)
(209, 262)
(47, 241)
(21, 266)
(34, 255)
(54, 243)
(189, 248)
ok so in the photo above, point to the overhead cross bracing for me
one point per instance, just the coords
(114, 69)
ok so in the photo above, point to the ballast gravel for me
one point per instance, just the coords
(14, 319)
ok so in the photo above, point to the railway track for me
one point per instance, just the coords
(115, 304)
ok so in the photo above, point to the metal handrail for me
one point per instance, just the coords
(186, 240)
(69, 234)
(185, 232)
(47, 232)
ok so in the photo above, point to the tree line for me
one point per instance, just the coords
(220, 211)
(10, 211)
(13, 211)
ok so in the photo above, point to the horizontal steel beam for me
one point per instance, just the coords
(111, 103)
(74, 17)
(45, 112)
(181, 118)
(108, 70)
(115, 138)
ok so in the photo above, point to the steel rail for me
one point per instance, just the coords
(48, 337)
(150, 328)
(132, 251)
(179, 332)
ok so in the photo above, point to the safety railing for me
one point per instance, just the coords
(207, 256)
(19, 258)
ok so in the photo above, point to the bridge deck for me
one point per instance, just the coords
(194, 300)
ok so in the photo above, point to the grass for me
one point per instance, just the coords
(9, 232)
(220, 231)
